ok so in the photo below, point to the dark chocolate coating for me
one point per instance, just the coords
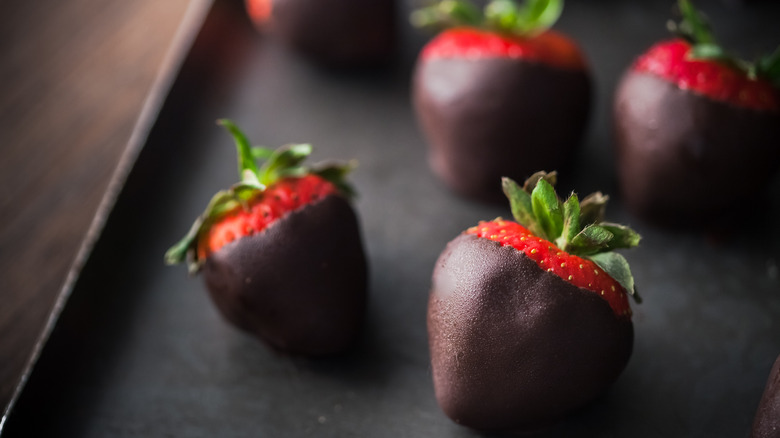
(488, 118)
(513, 347)
(767, 421)
(337, 32)
(684, 158)
(300, 285)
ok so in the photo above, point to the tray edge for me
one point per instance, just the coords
(188, 29)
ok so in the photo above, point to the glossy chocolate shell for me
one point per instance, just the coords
(767, 421)
(300, 285)
(488, 118)
(684, 158)
(337, 32)
(513, 347)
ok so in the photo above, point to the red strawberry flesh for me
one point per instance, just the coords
(576, 270)
(278, 200)
(550, 48)
(259, 10)
(671, 60)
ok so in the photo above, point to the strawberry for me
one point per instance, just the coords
(687, 118)
(281, 252)
(766, 423)
(529, 320)
(334, 32)
(498, 93)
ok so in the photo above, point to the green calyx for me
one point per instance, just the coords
(258, 168)
(695, 28)
(530, 18)
(576, 227)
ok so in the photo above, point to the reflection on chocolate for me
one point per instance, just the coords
(767, 421)
(300, 285)
(337, 32)
(489, 118)
(514, 347)
(684, 158)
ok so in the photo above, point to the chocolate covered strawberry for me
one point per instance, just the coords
(529, 320)
(335, 32)
(696, 129)
(281, 252)
(499, 93)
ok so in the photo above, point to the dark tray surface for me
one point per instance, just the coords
(140, 350)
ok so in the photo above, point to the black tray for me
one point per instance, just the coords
(138, 349)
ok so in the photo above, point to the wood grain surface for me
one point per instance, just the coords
(73, 78)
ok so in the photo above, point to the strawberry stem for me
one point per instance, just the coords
(571, 224)
(547, 209)
(246, 160)
(694, 27)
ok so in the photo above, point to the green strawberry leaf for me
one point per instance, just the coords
(283, 162)
(520, 203)
(262, 153)
(769, 67)
(448, 13)
(249, 179)
(336, 174)
(243, 192)
(530, 184)
(246, 160)
(537, 207)
(694, 26)
(593, 208)
(623, 236)
(708, 51)
(548, 209)
(617, 267)
(502, 15)
(538, 16)
(530, 18)
(221, 203)
(178, 252)
(571, 221)
(591, 240)
(574, 226)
